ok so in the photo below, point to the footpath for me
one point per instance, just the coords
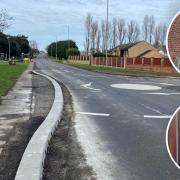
(22, 111)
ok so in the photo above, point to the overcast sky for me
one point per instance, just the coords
(43, 20)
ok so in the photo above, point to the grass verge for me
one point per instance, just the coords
(9, 75)
(113, 70)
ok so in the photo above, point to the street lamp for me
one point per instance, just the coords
(56, 48)
(9, 47)
(107, 24)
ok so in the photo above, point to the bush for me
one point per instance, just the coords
(99, 54)
(72, 52)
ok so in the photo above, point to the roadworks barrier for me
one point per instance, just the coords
(32, 162)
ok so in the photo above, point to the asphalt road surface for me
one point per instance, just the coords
(121, 121)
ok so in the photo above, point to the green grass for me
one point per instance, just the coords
(9, 75)
(120, 70)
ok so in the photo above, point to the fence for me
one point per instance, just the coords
(146, 64)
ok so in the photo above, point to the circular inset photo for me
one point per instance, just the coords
(173, 138)
(173, 42)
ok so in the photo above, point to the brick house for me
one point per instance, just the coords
(174, 41)
(138, 49)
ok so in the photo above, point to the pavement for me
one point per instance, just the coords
(121, 121)
(22, 111)
(15, 107)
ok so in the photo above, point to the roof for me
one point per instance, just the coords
(143, 53)
(125, 46)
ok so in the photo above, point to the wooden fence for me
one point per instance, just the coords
(146, 64)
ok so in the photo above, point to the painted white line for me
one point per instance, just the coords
(163, 94)
(157, 117)
(93, 114)
(88, 86)
(167, 84)
(140, 87)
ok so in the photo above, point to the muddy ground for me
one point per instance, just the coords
(18, 137)
(65, 159)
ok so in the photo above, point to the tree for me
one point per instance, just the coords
(114, 33)
(93, 35)
(62, 48)
(23, 43)
(133, 32)
(88, 23)
(103, 34)
(157, 35)
(151, 28)
(98, 41)
(145, 28)
(5, 20)
(121, 31)
(73, 52)
(163, 35)
(34, 48)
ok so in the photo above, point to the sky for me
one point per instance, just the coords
(46, 20)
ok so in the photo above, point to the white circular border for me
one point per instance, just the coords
(167, 42)
(137, 87)
(167, 144)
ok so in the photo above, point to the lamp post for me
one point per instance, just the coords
(9, 47)
(107, 25)
(56, 48)
(68, 39)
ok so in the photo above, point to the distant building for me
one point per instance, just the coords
(138, 49)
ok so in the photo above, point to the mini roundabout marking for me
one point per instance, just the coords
(139, 87)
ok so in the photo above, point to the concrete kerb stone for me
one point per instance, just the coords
(32, 162)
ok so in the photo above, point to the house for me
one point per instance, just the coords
(137, 49)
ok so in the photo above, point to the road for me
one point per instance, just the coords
(121, 123)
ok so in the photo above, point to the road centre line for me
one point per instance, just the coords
(93, 114)
(157, 117)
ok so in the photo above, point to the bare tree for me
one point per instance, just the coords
(98, 41)
(151, 28)
(157, 35)
(103, 34)
(145, 28)
(33, 44)
(163, 35)
(109, 37)
(133, 32)
(88, 24)
(93, 35)
(114, 33)
(5, 20)
(121, 31)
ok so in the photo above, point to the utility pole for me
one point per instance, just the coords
(9, 47)
(68, 39)
(107, 30)
(56, 48)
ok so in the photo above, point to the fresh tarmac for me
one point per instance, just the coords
(122, 130)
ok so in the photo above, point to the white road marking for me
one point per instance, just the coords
(152, 109)
(141, 87)
(167, 84)
(88, 86)
(93, 114)
(163, 94)
(157, 117)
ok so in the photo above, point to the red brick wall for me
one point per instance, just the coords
(172, 138)
(174, 38)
